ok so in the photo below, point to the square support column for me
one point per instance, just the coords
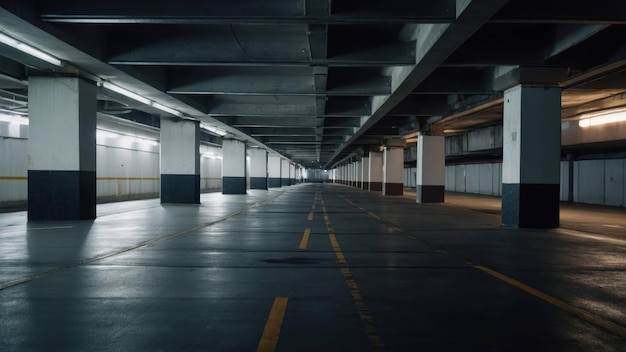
(365, 176)
(274, 164)
(292, 174)
(359, 173)
(393, 171)
(234, 167)
(431, 169)
(284, 172)
(61, 149)
(258, 168)
(376, 171)
(531, 156)
(180, 161)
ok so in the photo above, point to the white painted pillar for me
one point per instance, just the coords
(393, 171)
(376, 172)
(365, 176)
(61, 148)
(292, 174)
(284, 173)
(359, 173)
(180, 161)
(258, 168)
(531, 156)
(274, 164)
(431, 169)
(233, 167)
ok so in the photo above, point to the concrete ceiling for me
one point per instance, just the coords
(319, 81)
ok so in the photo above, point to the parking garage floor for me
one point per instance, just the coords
(313, 267)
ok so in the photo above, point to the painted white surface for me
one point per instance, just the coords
(284, 168)
(365, 175)
(273, 166)
(180, 147)
(532, 135)
(234, 158)
(258, 162)
(393, 165)
(62, 124)
(376, 167)
(430, 161)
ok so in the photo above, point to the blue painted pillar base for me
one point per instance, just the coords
(258, 182)
(233, 185)
(430, 194)
(274, 182)
(61, 195)
(530, 205)
(182, 189)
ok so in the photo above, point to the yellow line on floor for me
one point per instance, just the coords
(13, 178)
(310, 217)
(366, 317)
(581, 313)
(305, 238)
(269, 340)
(578, 312)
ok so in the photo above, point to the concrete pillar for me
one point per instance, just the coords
(393, 170)
(233, 167)
(292, 174)
(180, 161)
(61, 148)
(274, 163)
(284, 172)
(258, 168)
(359, 174)
(431, 169)
(531, 156)
(376, 171)
(365, 165)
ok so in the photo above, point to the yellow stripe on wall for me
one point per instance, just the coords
(13, 178)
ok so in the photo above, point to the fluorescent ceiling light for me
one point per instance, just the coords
(603, 118)
(14, 119)
(213, 129)
(30, 50)
(167, 109)
(126, 93)
(106, 134)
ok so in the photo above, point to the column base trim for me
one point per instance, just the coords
(430, 194)
(365, 186)
(61, 195)
(180, 189)
(530, 205)
(274, 182)
(258, 183)
(376, 186)
(284, 182)
(393, 189)
(233, 185)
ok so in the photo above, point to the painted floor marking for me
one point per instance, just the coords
(305, 238)
(581, 313)
(310, 217)
(366, 317)
(47, 273)
(274, 324)
(598, 321)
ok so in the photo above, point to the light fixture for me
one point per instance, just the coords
(125, 92)
(20, 120)
(213, 129)
(30, 50)
(106, 134)
(602, 118)
(167, 109)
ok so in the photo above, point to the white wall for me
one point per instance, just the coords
(595, 181)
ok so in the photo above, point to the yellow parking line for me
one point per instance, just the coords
(269, 340)
(305, 238)
(310, 217)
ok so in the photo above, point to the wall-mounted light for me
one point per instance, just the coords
(602, 118)
(213, 129)
(30, 50)
(125, 92)
(14, 119)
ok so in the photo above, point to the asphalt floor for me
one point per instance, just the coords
(313, 267)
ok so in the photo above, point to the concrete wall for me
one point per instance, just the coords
(125, 168)
(595, 181)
